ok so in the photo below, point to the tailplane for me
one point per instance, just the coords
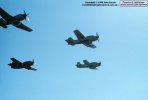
(78, 64)
(70, 41)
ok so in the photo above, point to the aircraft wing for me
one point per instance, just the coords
(89, 45)
(23, 27)
(93, 68)
(15, 60)
(79, 34)
(33, 69)
(6, 16)
(86, 62)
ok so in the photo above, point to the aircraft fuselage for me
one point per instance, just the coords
(88, 39)
(17, 19)
(92, 65)
(26, 65)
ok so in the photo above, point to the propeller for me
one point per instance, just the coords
(97, 36)
(26, 16)
(34, 63)
(100, 63)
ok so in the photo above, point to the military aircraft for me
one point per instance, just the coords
(92, 65)
(81, 39)
(18, 65)
(14, 20)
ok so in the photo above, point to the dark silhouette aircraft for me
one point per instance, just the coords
(81, 39)
(92, 65)
(18, 65)
(14, 20)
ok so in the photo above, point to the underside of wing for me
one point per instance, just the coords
(23, 27)
(93, 68)
(79, 34)
(89, 45)
(6, 16)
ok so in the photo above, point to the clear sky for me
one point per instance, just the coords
(122, 50)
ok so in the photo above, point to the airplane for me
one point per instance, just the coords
(16, 64)
(92, 65)
(81, 39)
(7, 19)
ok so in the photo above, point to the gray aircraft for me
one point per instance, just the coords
(92, 65)
(81, 39)
(18, 65)
(13, 20)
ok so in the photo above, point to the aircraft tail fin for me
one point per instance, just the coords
(78, 64)
(10, 64)
(70, 41)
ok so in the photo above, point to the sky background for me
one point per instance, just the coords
(122, 50)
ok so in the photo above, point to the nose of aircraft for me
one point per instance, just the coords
(26, 16)
(33, 62)
(97, 37)
(99, 64)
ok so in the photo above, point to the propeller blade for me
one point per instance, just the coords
(24, 12)
(33, 61)
(97, 36)
(27, 18)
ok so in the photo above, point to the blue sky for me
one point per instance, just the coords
(122, 50)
